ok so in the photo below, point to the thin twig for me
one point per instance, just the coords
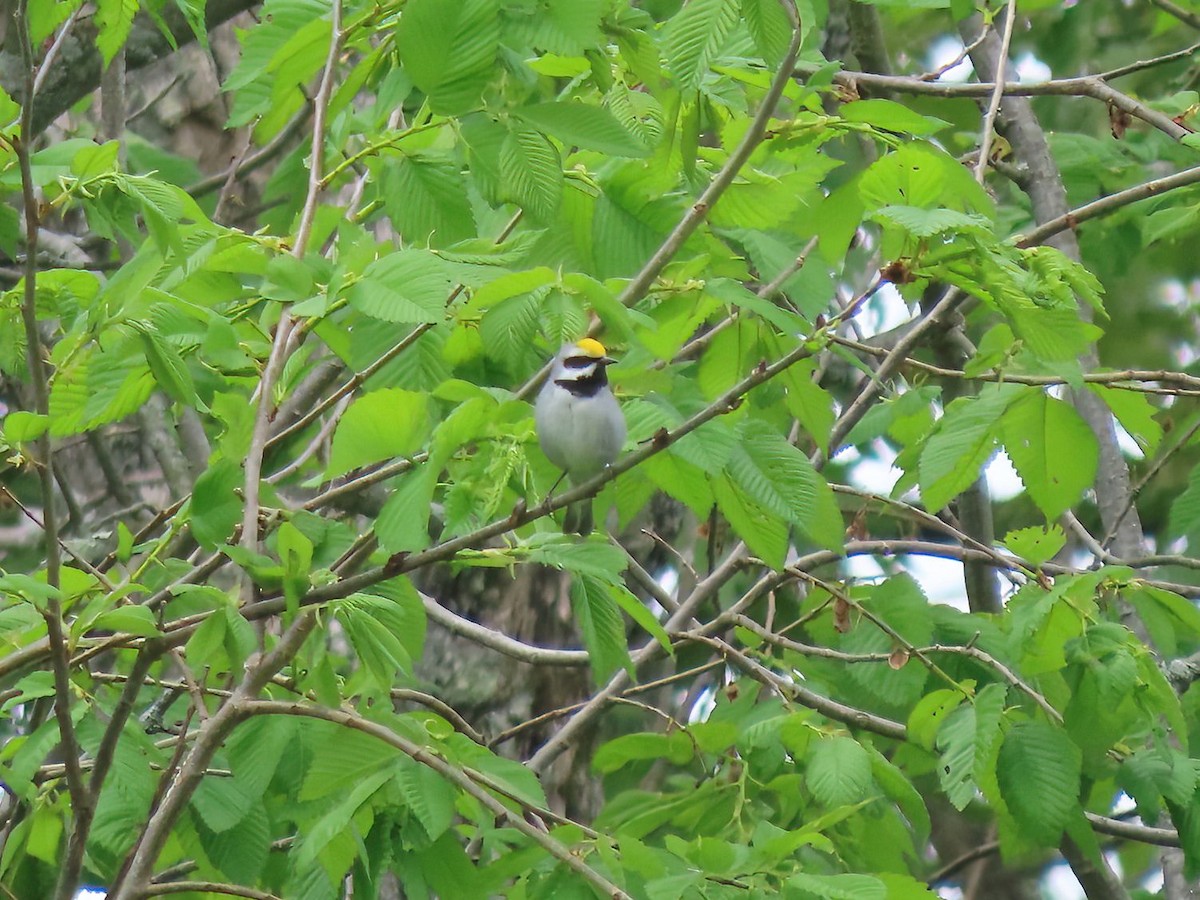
(1105, 205)
(1093, 87)
(205, 887)
(48, 59)
(993, 108)
(274, 368)
(81, 796)
(1185, 16)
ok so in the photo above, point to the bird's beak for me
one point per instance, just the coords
(607, 361)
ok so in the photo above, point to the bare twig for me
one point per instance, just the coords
(205, 887)
(1090, 86)
(81, 796)
(258, 440)
(993, 108)
(1185, 16)
(48, 60)
(1105, 205)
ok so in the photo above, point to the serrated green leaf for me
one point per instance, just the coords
(114, 20)
(600, 623)
(448, 48)
(425, 196)
(1038, 771)
(614, 754)
(1135, 413)
(839, 887)
(839, 771)
(379, 425)
(1036, 545)
(406, 286)
(581, 125)
(925, 223)
(764, 531)
(216, 506)
(1053, 449)
(769, 27)
(427, 794)
(965, 439)
(131, 619)
(892, 116)
(403, 523)
(695, 35)
(776, 475)
(531, 172)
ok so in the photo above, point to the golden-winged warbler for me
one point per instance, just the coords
(579, 424)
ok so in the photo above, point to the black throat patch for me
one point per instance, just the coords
(588, 386)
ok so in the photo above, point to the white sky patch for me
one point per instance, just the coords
(940, 579)
(945, 50)
(1002, 479)
(1060, 883)
(884, 311)
(90, 893)
(1126, 442)
(1029, 68)
(875, 472)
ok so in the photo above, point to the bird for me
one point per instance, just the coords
(580, 426)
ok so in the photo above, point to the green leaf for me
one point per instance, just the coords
(931, 711)
(21, 426)
(405, 286)
(168, 367)
(114, 20)
(965, 439)
(839, 771)
(839, 887)
(425, 196)
(336, 819)
(131, 619)
(427, 794)
(762, 529)
(641, 614)
(507, 285)
(1135, 413)
(448, 48)
(531, 173)
(296, 553)
(379, 650)
(925, 223)
(775, 474)
(900, 790)
(581, 125)
(769, 27)
(1034, 544)
(379, 425)
(892, 116)
(216, 506)
(403, 523)
(966, 742)
(603, 631)
(615, 754)
(695, 35)
(596, 559)
(1168, 617)
(1053, 449)
(1038, 770)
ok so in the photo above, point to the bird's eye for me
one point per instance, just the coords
(578, 362)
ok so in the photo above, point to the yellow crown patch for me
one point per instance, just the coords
(592, 347)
